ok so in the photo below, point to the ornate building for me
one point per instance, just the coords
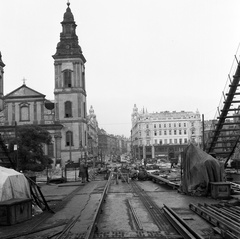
(66, 117)
(155, 135)
(92, 134)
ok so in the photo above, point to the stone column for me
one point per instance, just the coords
(13, 113)
(144, 151)
(153, 151)
(35, 112)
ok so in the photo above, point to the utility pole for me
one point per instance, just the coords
(16, 146)
(203, 129)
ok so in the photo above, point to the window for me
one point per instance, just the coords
(170, 125)
(185, 125)
(140, 133)
(164, 125)
(185, 140)
(185, 131)
(50, 150)
(140, 141)
(170, 132)
(175, 141)
(180, 141)
(193, 132)
(170, 141)
(165, 132)
(160, 132)
(147, 126)
(180, 131)
(154, 126)
(192, 124)
(174, 124)
(155, 133)
(175, 132)
(68, 109)
(24, 112)
(155, 141)
(69, 138)
(165, 141)
(179, 124)
(159, 125)
(160, 141)
(67, 78)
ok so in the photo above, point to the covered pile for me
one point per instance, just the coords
(199, 169)
(13, 185)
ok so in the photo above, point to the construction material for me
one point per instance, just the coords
(220, 190)
(180, 225)
(217, 218)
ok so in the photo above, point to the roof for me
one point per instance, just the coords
(23, 91)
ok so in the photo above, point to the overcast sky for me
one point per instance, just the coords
(160, 55)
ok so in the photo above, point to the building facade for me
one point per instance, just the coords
(92, 135)
(65, 117)
(156, 135)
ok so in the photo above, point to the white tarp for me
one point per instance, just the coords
(13, 185)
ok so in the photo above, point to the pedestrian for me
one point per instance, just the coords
(82, 172)
(86, 170)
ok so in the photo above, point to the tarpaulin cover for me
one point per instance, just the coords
(199, 169)
(13, 185)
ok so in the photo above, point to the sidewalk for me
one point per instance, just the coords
(62, 200)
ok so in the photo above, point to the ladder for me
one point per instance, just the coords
(224, 135)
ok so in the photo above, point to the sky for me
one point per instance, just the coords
(162, 55)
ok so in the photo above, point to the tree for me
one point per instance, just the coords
(30, 140)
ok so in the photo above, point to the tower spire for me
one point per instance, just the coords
(68, 46)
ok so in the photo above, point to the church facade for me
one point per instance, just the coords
(65, 118)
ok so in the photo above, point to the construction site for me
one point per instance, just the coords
(196, 198)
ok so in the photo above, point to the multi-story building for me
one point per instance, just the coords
(65, 118)
(111, 147)
(155, 135)
(92, 135)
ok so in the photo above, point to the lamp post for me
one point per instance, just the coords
(70, 148)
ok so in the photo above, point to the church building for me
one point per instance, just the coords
(66, 117)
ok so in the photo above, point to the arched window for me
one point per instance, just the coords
(67, 78)
(68, 109)
(69, 138)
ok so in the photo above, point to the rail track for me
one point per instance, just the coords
(167, 223)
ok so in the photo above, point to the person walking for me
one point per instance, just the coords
(82, 172)
(86, 170)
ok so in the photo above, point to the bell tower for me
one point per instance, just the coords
(70, 90)
(1, 81)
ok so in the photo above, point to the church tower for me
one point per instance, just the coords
(1, 81)
(70, 91)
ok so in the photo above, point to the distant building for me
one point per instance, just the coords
(92, 130)
(110, 146)
(156, 135)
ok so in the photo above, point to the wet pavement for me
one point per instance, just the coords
(77, 201)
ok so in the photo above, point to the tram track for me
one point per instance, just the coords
(66, 232)
(169, 223)
(135, 200)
